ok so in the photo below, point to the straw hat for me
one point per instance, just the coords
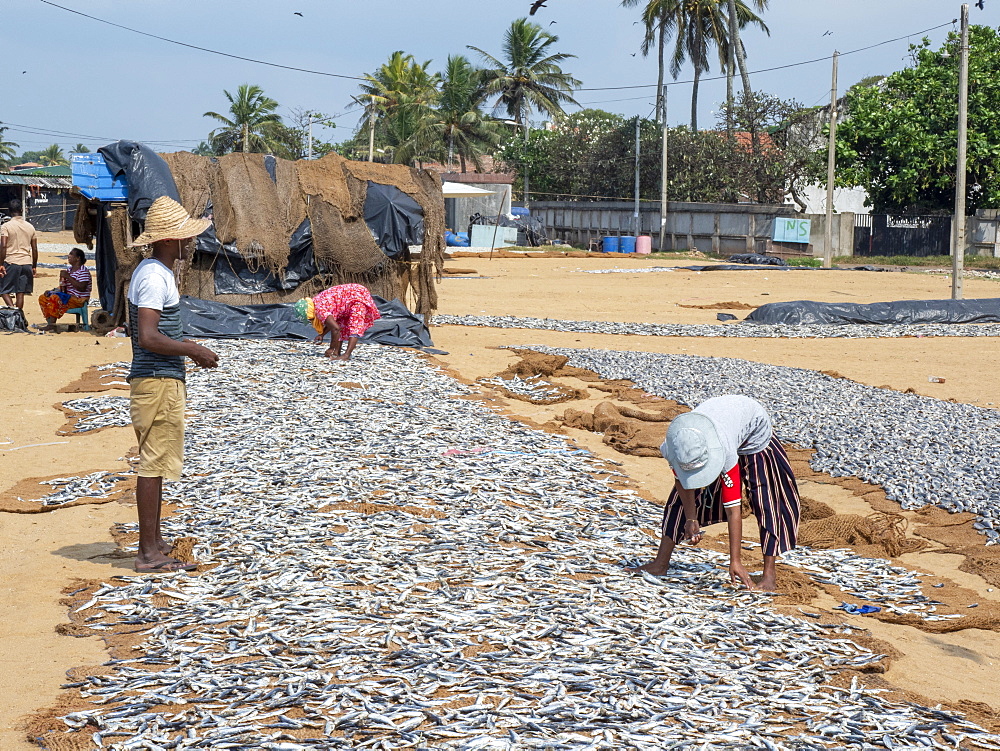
(167, 220)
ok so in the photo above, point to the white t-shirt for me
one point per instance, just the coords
(153, 286)
(742, 423)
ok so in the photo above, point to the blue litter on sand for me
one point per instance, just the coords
(857, 609)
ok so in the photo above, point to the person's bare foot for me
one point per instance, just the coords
(163, 565)
(164, 546)
(766, 585)
(654, 568)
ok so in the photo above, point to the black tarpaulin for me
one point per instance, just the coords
(233, 276)
(209, 319)
(898, 312)
(13, 320)
(757, 259)
(146, 173)
(395, 219)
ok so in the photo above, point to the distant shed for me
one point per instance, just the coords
(44, 193)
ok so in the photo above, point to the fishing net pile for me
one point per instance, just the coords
(258, 203)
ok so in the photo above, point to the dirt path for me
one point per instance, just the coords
(43, 554)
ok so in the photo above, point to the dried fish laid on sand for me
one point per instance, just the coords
(740, 329)
(639, 270)
(96, 486)
(376, 581)
(99, 412)
(921, 450)
(895, 588)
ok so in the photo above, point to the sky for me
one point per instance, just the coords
(68, 79)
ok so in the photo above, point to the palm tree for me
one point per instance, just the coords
(659, 19)
(528, 77)
(457, 125)
(398, 98)
(700, 25)
(80, 149)
(7, 150)
(253, 125)
(53, 156)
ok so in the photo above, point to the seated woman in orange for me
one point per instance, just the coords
(75, 285)
(345, 312)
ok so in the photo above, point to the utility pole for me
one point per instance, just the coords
(958, 230)
(731, 71)
(831, 166)
(635, 212)
(371, 132)
(527, 194)
(663, 175)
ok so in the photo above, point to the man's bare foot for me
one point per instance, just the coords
(766, 585)
(654, 568)
(164, 546)
(163, 566)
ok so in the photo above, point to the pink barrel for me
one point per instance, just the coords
(644, 244)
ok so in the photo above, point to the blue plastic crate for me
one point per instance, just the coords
(92, 176)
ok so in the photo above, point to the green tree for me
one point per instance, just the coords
(53, 156)
(398, 98)
(528, 77)
(252, 125)
(7, 150)
(457, 125)
(899, 138)
(787, 156)
(80, 149)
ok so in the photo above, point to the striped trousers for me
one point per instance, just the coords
(769, 487)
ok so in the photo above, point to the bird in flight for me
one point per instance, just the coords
(296, 13)
(535, 6)
(828, 33)
(979, 5)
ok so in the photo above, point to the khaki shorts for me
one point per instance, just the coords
(158, 418)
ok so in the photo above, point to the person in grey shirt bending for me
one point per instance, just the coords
(727, 442)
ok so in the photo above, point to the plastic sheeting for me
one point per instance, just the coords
(233, 276)
(898, 312)
(12, 319)
(105, 260)
(146, 173)
(395, 219)
(208, 319)
(757, 259)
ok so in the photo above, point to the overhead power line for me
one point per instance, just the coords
(825, 58)
(202, 49)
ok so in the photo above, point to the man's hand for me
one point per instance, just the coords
(34, 271)
(692, 531)
(203, 356)
(739, 575)
(3, 271)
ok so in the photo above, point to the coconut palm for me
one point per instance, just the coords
(398, 98)
(253, 125)
(528, 77)
(702, 24)
(457, 125)
(80, 149)
(7, 150)
(53, 156)
(659, 18)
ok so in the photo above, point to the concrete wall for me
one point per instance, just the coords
(709, 227)
(843, 234)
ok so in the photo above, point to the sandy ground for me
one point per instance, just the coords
(42, 555)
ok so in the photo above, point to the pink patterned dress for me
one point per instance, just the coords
(351, 305)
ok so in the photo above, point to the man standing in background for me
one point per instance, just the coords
(18, 257)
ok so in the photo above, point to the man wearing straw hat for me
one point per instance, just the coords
(157, 374)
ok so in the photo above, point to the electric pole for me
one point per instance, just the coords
(371, 133)
(663, 175)
(831, 166)
(958, 231)
(635, 212)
